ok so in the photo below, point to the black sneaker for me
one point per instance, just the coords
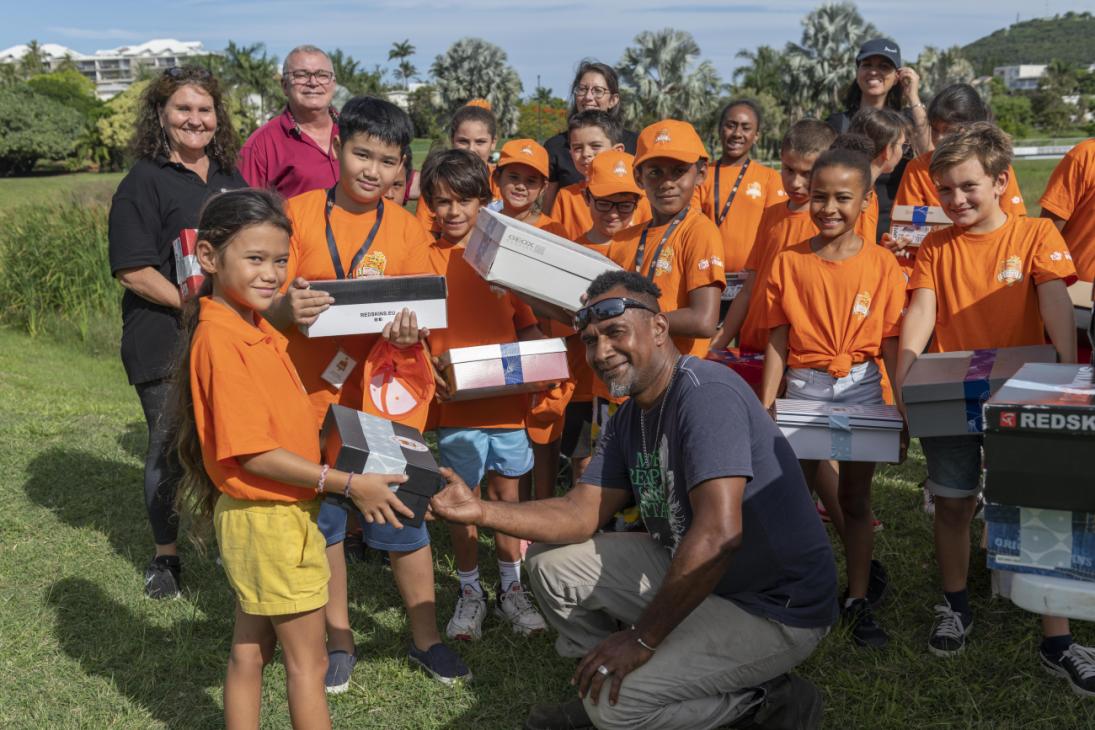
(162, 577)
(790, 703)
(949, 633)
(340, 665)
(865, 630)
(441, 663)
(1077, 665)
(878, 584)
(563, 716)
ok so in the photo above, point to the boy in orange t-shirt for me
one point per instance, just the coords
(990, 280)
(371, 239)
(520, 178)
(1069, 201)
(474, 128)
(781, 226)
(834, 308)
(735, 194)
(590, 133)
(485, 436)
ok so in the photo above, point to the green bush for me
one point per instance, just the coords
(55, 273)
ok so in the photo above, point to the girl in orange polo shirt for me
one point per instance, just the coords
(251, 456)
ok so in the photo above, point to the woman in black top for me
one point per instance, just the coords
(186, 148)
(881, 81)
(596, 86)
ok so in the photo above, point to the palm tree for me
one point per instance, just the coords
(763, 72)
(345, 67)
(822, 65)
(400, 52)
(33, 61)
(251, 72)
(472, 68)
(661, 78)
(941, 68)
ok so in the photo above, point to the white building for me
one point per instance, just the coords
(1023, 77)
(115, 69)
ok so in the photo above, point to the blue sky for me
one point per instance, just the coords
(540, 37)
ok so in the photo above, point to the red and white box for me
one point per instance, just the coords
(487, 371)
(188, 272)
(749, 365)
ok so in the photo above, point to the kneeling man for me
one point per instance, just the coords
(697, 622)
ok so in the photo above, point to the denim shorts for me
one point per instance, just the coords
(954, 464)
(472, 452)
(333, 521)
(861, 386)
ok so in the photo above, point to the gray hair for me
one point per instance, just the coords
(306, 48)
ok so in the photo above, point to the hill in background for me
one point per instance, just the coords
(1069, 37)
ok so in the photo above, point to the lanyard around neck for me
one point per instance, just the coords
(336, 258)
(720, 217)
(641, 251)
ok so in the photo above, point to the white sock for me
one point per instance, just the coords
(470, 578)
(509, 573)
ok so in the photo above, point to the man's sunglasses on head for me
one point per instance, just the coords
(607, 309)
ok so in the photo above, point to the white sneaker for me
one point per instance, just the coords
(516, 607)
(467, 621)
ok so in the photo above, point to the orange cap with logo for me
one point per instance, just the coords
(610, 173)
(526, 152)
(670, 138)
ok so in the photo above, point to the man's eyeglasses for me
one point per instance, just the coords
(626, 207)
(188, 72)
(597, 91)
(606, 309)
(300, 76)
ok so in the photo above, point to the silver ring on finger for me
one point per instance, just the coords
(603, 670)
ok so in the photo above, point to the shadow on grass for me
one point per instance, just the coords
(134, 440)
(164, 670)
(88, 491)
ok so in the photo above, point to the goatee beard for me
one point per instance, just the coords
(619, 390)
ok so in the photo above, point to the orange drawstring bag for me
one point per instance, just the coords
(399, 384)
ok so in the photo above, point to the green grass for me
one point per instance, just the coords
(1033, 176)
(15, 191)
(80, 647)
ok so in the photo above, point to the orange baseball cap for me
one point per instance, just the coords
(670, 138)
(479, 102)
(610, 173)
(526, 152)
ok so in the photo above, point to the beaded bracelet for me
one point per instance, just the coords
(322, 486)
(346, 491)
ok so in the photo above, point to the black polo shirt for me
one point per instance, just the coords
(156, 199)
(562, 168)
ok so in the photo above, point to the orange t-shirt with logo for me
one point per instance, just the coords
(1070, 194)
(760, 187)
(248, 399)
(838, 311)
(401, 247)
(477, 316)
(571, 210)
(985, 283)
(690, 259)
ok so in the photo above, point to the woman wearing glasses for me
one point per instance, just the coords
(596, 86)
(186, 148)
(293, 153)
(882, 82)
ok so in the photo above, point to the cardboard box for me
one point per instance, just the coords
(841, 432)
(944, 391)
(188, 272)
(365, 444)
(735, 282)
(1040, 439)
(912, 223)
(363, 306)
(487, 371)
(1041, 541)
(749, 366)
(548, 272)
(1080, 294)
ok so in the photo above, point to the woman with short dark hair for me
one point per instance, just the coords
(186, 148)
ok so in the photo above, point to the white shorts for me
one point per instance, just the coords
(861, 386)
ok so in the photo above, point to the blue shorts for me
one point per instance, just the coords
(954, 464)
(472, 452)
(333, 520)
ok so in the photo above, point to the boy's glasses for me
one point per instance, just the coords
(626, 207)
(597, 91)
(606, 309)
(300, 76)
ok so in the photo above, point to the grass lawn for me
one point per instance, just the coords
(83, 648)
(28, 190)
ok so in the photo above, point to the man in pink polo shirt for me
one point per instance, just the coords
(294, 152)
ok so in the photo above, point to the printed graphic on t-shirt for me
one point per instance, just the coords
(373, 264)
(754, 190)
(1011, 270)
(665, 261)
(862, 304)
(659, 501)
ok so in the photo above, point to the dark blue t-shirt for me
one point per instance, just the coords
(713, 426)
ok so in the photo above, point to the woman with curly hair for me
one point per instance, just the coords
(185, 148)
